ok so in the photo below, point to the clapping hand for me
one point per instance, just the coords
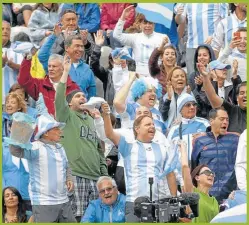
(84, 34)
(199, 80)
(99, 38)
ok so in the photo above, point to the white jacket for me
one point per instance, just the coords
(240, 164)
(142, 46)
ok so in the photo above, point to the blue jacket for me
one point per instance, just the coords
(89, 15)
(82, 75)
(220, 157)
(12, 176)
(97, 212)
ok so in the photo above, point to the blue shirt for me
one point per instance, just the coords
(14, 176)
(98, 212)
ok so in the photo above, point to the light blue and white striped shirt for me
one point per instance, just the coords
(47, 169)
(202, 19)
(142, 161)
(9, 75)
(225, 29)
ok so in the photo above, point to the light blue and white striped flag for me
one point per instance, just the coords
(236, 214)
(161, 13)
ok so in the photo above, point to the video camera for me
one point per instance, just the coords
(167, 210)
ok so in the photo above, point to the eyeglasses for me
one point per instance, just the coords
(208, 173)
(108, 189)
(189, 104)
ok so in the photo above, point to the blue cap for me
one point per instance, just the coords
(121, 53)
(218, 65)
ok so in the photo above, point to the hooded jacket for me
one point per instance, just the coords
(98, 212)
(191, 81)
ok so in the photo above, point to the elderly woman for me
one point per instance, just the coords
(142, 159)
(13, 207)
(199, 181)
(176, 86)
(13, 103)
(169, 56)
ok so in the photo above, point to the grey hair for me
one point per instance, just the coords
(56, 57)
(102, 178)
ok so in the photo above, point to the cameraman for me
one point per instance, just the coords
(199, 181)
(142, 159)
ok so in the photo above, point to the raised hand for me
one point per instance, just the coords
(234, 42)
(170, 90)
(126, 12)
(57, 29)
(164, 42)
(133, 76)
(180, 10)
(235, 68)
(67, 63)
(84, 34)
(202, 69)
(95, 113)
(105, 108)
(199, 80)
(99, 38)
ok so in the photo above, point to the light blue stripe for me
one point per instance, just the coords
(211, 19)
(142, 165)
(127, 167)
(52, 173)
(35, 180)
(158, 157)
(199, 24)
(190, 26)
(64, 162)
(229, 30)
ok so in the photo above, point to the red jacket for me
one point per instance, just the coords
(110, 14)
(34, 86)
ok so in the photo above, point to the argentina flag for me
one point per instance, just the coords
(161, 13)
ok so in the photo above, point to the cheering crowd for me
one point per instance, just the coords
(116, 99)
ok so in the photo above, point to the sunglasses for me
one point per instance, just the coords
(208, 173)
(189, 104)
(108, 189)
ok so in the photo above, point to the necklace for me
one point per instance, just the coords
(10, 219)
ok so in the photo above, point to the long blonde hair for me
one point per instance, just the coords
(21, 102)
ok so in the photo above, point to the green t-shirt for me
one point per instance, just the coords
(208, 208)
